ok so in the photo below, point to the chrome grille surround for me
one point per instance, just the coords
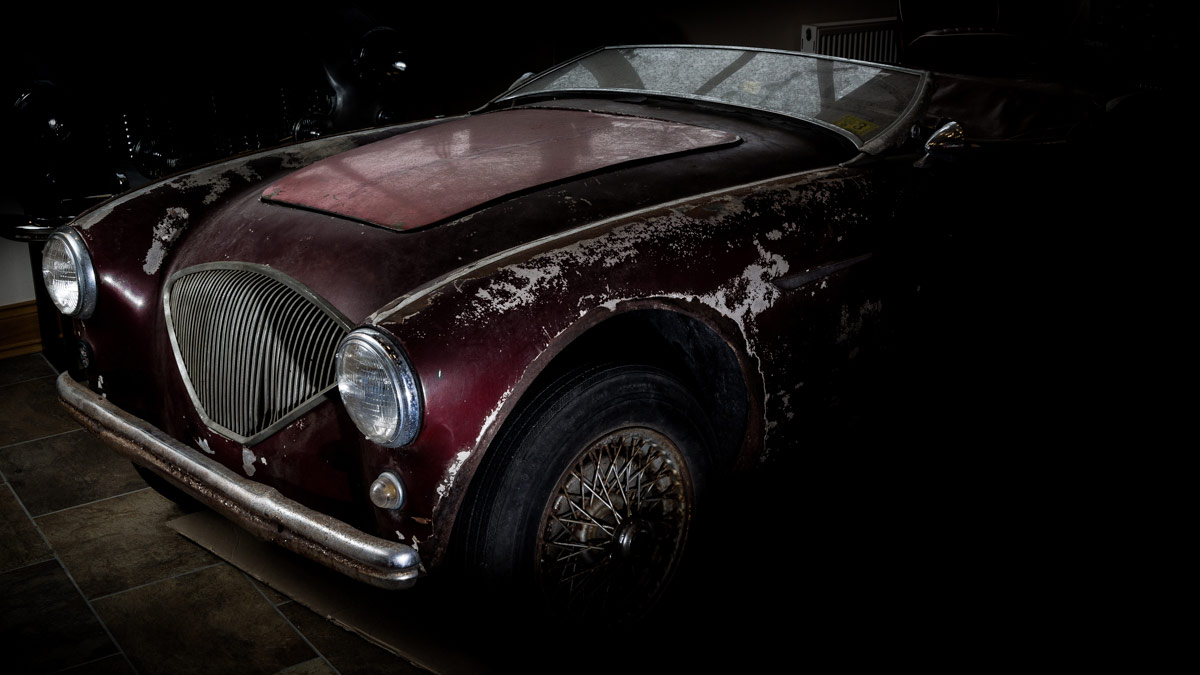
(254, 346)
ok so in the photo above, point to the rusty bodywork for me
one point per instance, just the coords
(759, 252)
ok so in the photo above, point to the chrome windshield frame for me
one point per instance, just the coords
(890, 135)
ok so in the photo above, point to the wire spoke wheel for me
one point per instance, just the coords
(583, 506)
(614, 527)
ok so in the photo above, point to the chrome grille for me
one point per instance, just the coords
(254, 346)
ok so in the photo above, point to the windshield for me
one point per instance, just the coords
(859, 100)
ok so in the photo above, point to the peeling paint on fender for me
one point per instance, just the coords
(729, 205)
(248, 461)
(459, 459)
(216, 179)
(166, 232)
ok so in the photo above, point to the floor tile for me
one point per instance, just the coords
(274, 596)
(349, 653)
(316, 666)
(31, 410)
(110, 665)
(122, 542)
(44, 623)
(22, 368)
(66, 470)
(22, 543)
(212, 621)
(422, 623)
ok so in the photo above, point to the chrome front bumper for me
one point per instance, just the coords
(259, 508)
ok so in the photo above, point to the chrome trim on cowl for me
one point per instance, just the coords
(258, 508)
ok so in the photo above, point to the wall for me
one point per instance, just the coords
(16, 276)
(768, 23)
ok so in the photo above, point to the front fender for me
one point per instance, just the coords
(479, 337)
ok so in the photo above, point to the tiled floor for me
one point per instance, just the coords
(865, 559)
(93, 581)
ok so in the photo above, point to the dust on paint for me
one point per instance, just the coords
(310, 152)
(217, 178)
(166, 231)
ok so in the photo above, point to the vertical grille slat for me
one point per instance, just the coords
(260, 334)
(254, 346)
(290, 379)
(279, 364)
(250, 326)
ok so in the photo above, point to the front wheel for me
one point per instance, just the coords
(589, 497)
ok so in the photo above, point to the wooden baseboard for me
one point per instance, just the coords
(19, 333)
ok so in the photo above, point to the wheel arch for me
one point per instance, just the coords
(703, 349)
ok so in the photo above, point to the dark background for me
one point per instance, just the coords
(146, 94)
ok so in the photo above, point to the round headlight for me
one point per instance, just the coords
(68, 274)
(379, 388)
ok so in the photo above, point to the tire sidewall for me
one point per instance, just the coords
(554, 434)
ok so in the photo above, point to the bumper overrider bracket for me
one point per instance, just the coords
(256, 507)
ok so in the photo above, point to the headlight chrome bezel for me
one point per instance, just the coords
(402, 381)
(85, 273)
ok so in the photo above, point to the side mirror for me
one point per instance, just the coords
(947, 143)
(950, 137)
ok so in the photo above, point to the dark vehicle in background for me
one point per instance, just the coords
(535, 340)
(105, 100)
(86, 127)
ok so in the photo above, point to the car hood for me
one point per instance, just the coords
(432, 174)
(217, 214)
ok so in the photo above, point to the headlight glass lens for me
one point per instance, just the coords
(68, 274)
(378, 388)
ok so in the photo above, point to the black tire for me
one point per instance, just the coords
(615, 557)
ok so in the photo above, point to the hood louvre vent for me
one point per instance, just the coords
(255, 348)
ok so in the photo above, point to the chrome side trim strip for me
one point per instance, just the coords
(258, 508)
(794, 281)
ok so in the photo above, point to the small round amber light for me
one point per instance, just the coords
(387, 492)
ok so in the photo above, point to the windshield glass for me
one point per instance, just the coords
(860, 100)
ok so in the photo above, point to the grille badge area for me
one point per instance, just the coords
(255, 347)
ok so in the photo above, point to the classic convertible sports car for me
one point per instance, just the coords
(534, 338)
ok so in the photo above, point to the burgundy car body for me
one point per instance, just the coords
(490, 246)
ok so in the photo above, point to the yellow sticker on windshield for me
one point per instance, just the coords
(853, 124)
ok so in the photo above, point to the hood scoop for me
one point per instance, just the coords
(431, 174)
